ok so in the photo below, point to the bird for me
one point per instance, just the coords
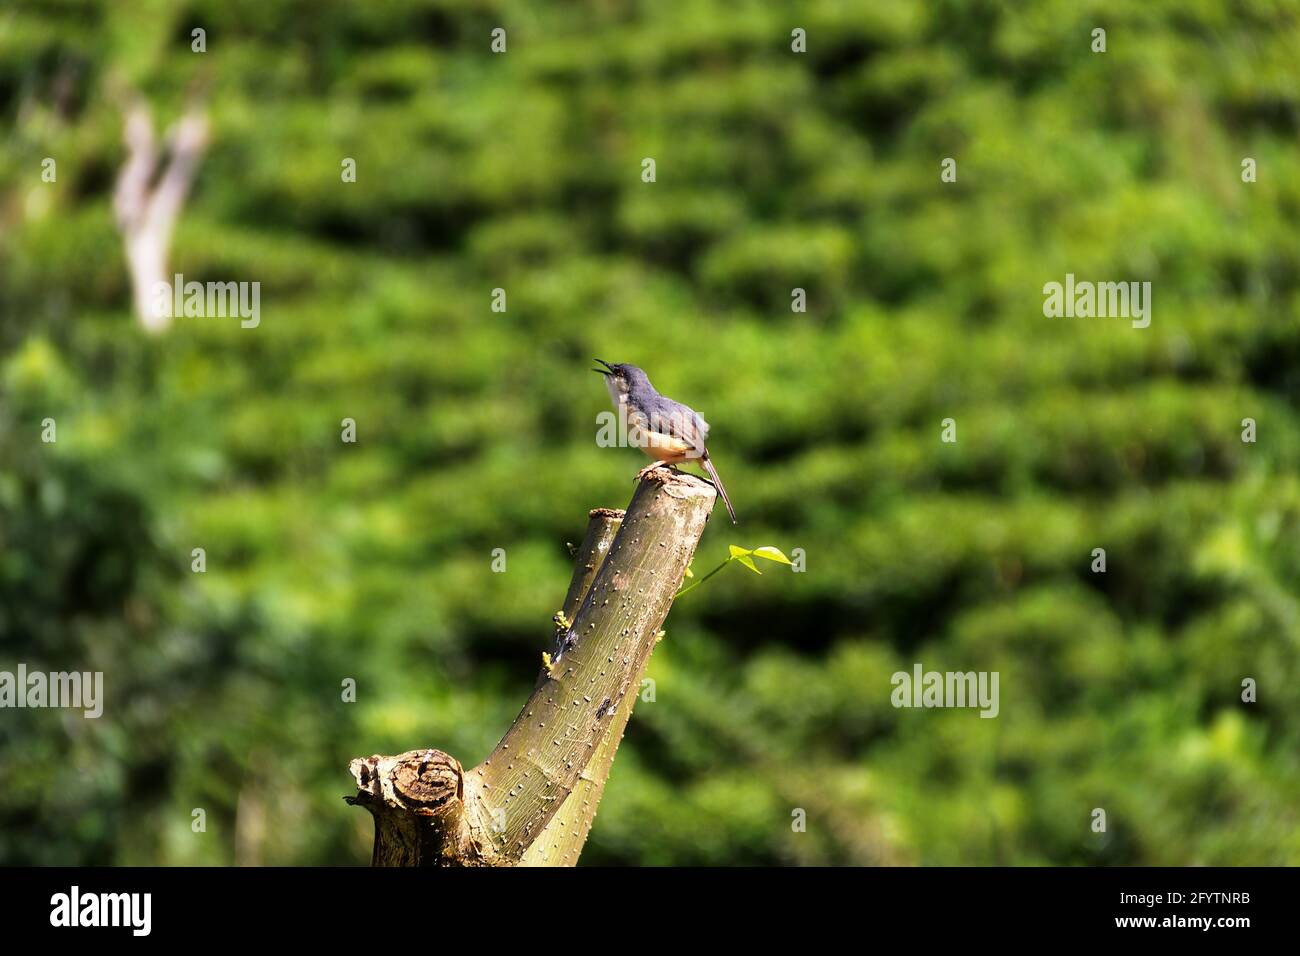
(667, 431)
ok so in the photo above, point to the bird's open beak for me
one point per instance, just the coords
(607, 370)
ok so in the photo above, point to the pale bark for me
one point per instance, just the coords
(562, 838)
(532, 801)
(147, 202)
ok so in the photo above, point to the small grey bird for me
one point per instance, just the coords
(667, 431)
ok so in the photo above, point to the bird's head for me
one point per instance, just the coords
(620, 378)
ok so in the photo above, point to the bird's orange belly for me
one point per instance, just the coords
(661, 447)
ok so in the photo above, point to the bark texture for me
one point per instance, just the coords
(533, 800)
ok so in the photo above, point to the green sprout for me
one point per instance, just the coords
(744, 556)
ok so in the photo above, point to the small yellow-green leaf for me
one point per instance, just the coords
(748, 562)
(689, 572)
(772, 554)
(739, 552)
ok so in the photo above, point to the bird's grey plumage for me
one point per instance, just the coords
(669, 416)
(647, 411)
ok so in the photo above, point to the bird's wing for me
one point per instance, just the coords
(702, 425)
(683, 428)
(655, 431)
(680, 421)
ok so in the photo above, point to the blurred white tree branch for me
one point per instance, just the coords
(147, 202)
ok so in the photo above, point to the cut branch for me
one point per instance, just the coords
(562, 838)
(532, 801)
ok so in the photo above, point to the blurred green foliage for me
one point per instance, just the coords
(475, 429)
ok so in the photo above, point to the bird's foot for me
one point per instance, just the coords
(646, 470)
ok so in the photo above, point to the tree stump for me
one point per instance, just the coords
(533, 800)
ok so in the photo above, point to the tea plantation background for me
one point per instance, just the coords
(475, 429)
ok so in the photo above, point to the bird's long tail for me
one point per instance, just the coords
(713, 473)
